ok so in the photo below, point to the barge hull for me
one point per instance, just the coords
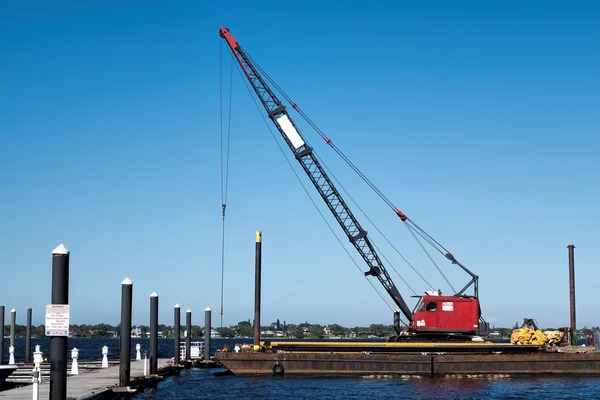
(289, 363)
(539, 363)
(323, 363)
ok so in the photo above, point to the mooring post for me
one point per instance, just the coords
(138, 355)
(28, 337)
(207, 329)
(11, 355)
(35, 380)
(125, 356)
(38, 357)
(176, 334)
(58, 344)
(104, 357)
(74, 365)
(572, 293)
(2, 335)
(11, 348)
(257, 281)
(153, 333)
(188, 336)
(145, 362)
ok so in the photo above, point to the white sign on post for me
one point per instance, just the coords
(57, 320)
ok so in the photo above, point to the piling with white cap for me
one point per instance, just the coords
(58, 344)
(176, 334)
(28, 337)
(153, 333)
(125, 354)
(207, 329)
(138, 355)
(257, 286)
(188, 333)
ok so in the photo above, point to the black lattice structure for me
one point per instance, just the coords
(304, 154)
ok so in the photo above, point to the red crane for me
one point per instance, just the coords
(436, 316)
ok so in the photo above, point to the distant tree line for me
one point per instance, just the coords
(241, 329)
(304, 330)
(99, 330)
(20, 331)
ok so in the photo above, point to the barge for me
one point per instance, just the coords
(438, 330)
(418, 359)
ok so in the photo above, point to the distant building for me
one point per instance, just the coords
(213, 333)
(136, 333)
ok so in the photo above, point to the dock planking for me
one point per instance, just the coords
(84, 384)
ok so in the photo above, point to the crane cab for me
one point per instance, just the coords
(451, 314)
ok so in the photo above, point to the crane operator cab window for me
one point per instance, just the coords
(431, 306)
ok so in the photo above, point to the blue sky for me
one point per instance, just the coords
(478, 120)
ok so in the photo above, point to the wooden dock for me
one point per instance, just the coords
(93, 384)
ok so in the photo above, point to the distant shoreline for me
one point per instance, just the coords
(245, 330)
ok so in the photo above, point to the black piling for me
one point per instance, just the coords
(28, 337)
(58, 344)
(2, 335)
(176, 334)
(153, 333)
(207, 329)
(572, 292)
(13, 323)
(257, 280)
(397, 322)
(188, 336)
(125, 354)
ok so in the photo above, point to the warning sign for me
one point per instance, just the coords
(57, 320)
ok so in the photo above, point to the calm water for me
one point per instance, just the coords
(91, 348)
(202, 383)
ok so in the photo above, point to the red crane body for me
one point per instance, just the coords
(448, 314)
